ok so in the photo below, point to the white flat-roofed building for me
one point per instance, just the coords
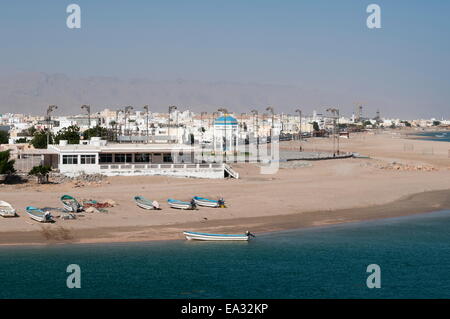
(97, 156)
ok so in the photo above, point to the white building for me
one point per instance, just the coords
(98, 156)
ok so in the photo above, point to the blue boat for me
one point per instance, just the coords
(201, 201)
(146, 203)
(39, 215)
(178, 204)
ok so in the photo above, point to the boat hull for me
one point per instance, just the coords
(37, 218)
(39, 215)
(200, 201)
(206, 203)
(214, 237)
(145, 206)
(181, 206)
(7, 213)
(6, 210)
(70, 204)
(177, 204)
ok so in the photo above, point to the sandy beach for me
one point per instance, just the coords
(403, 176)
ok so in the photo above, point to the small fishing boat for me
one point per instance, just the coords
(200, 201)
(70, 204)
(178, 204)
(6, 210)
(217, 237)
(39, 215)
(144, 203)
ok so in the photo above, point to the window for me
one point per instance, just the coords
(106, 158)
(122, 158)
(142, 158)
(167, 158)
(70, 159)
(87, 159)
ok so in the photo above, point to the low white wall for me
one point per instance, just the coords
(212, 173)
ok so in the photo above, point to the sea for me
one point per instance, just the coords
(435, 136)
(412, 253)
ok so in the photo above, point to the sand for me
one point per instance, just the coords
(327, 192)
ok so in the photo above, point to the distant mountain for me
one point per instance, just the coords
(30, 93)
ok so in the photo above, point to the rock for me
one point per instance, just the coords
(111, 202)
(92, 210)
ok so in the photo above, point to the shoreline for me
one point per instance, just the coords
(419, 203)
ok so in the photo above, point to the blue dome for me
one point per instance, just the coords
(225, 120)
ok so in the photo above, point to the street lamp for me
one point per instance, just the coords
(300, 127)
(50, 109)
(88, 110)
(224, 111)
(270, 109)
(202, 130)
(171, 108)
(146, 112)
(255, 114)
(127, 112)
(335, 113)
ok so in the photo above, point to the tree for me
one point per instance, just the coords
(41, 172)
(70, 134)
(436, 123)
(316, 126)
(40, 139)
(99, 131)
(4, 137)
(21, 140)
(29, 131)
(6, 165)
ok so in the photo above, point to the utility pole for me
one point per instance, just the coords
(255, 114)
(300, 128)
(224, 111)
(171, 108)
(88, 110)
(50, 109)
(146, 112)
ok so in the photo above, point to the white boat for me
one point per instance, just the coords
(200, 201)
(39, 215)
(6, 210)
(144, 203)
(216, 237)
(70, 204)
(178, 204)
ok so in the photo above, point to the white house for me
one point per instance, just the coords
(98, 156)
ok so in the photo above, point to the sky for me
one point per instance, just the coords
(318, 45)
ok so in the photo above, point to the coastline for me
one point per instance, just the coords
(420, 203)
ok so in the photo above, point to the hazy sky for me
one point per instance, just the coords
(318, 44)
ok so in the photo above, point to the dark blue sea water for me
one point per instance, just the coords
(331, 262)
(436, 136)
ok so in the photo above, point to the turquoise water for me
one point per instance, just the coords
(436, 136)
(331, 262)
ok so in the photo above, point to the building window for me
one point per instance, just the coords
(105, 158)
(122, 158)
(167, 158)
(87, 159)
(70, 159)
(142, 158)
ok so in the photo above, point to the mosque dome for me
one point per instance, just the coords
(225, 120)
